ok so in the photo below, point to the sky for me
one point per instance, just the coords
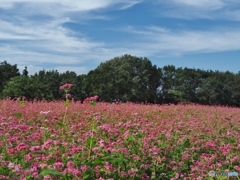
(77, 35)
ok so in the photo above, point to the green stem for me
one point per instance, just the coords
(65, 115)
(90, 149)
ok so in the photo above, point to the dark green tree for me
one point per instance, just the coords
(125, 78)
(189, 81)
(236, 90)
(48, 83)
(80, 92)
(20, 86)
(168, 89)
(25, 71)
(7, 71)
(217, 89)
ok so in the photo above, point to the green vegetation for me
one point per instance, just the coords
(126, 78)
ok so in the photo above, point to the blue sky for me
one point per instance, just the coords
(77, 35)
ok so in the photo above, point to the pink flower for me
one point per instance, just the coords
(70, 164)
(22, 146)
(124, 174)
(28, 157)
(84, 168)
(48, 177)
(35, 148)
(235, 159)
(68, 96)
(11, 165)
(132, 171)
(186, 156)
(237, 168)
(108, 167)
(47, 144)
(145, 177)
(101, 143)
(58, 165)
(66, 86)
(72, 171)
(93, 98)
(75, 150)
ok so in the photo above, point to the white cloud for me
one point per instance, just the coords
(34, 33)
(206, 9)
(201, 4)
(154, 41)
(57, 7)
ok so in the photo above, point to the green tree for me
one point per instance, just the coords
(80, 92)
(168, 89)
(25, 71)
(189, 81)
(20, 86)
(7, 71)
(236, 90)
(48, 83)
(125, 78)
(217, 89)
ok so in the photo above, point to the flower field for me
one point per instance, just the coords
(52, 140)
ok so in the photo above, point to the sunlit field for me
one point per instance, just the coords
(52, 140)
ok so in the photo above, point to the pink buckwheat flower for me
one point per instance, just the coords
(48, 177)
(66, 86)
(22, 146)
(58, 165)
(108, 167)
(131, 172)
(70, 164)
(237, 168)
(68, 96)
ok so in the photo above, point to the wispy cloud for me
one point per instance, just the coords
(201, 4)
(33, 33)
(161, 42)
(207, 9)
(62, 7)
(36, 33)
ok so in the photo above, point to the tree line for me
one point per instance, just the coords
(126, 78)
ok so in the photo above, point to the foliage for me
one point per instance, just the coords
(7, 71)
(126, 78)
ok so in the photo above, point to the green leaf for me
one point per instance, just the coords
(97, 161)
(18, 115)
(51, 161)
(186, 143)
(60, 124)
(67, 102)
(86, 176)
(21, 102)
(91, 140)
(46, 172)
(92, 103)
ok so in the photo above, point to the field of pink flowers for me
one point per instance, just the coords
(49, 140)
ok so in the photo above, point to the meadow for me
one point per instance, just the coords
(97, 140)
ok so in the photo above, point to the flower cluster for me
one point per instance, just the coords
(68, 96)
(66, 86)
(93, 98)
